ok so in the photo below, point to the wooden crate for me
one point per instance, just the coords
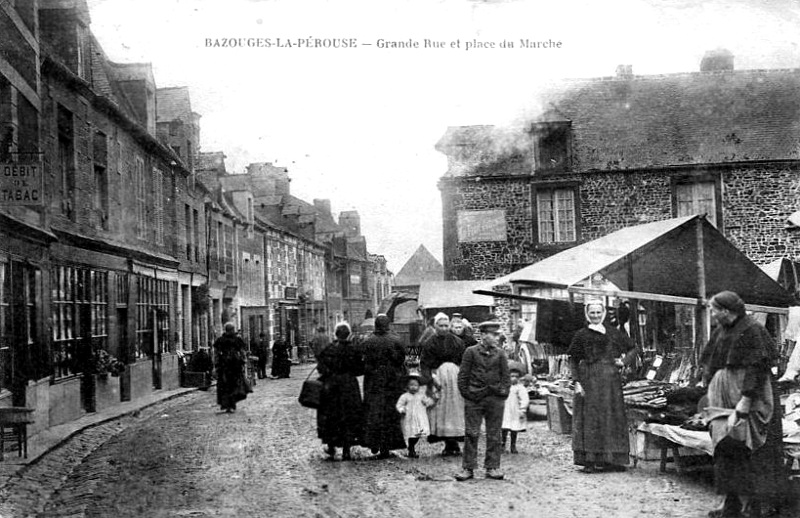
(559, 418)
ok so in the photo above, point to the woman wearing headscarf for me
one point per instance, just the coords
(458, 328)
(340, 416)
(744, 413)
(384, 382)
(600, 426)
(439, 363)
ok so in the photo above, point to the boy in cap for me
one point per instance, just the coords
(484, 383)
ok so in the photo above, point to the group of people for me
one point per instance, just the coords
(460, 384)
(743, 411)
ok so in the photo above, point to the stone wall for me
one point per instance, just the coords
(756, 201)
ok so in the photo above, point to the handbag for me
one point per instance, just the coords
(311, 392)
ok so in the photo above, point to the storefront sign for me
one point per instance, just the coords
(21, 184)
(481, 225)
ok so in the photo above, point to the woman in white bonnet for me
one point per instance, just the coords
(440, 359)
(600, 429)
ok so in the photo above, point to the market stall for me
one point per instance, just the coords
(655, 279)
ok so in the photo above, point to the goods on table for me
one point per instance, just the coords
(647, 393)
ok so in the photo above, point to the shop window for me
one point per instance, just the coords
(152, 316)
(79, 304)
(557, 214)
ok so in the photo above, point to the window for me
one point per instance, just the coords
(100, 149)
(229, 243)
(187, 219)
(158, 205)
(220, 247)
(141, 198)
(697, 197)
(66, 161)
(152, 314)
(196, 228)
(556, 215)
(79, 305)
(551, 147)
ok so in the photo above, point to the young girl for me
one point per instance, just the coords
(413, 405)
(516, 409)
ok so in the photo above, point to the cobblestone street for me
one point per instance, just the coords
(185, 458)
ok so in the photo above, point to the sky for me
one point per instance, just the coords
(358, 125)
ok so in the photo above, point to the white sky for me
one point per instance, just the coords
(358, 125)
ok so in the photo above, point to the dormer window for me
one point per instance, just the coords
(551, 147)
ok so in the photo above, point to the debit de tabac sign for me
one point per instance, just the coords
(21, 184)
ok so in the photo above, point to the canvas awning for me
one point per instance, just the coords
(662, 258)
(451, 294)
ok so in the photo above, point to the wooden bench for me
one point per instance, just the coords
(14, 423)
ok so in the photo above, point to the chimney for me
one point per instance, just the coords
(323, 206)
(717, 60)
(351, 222)
(625, 71)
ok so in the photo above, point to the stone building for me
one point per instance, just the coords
(420, 267)
(617, 151)
(93, 256)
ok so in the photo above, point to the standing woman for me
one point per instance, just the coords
(384, 380)
(600, 427)
(230, 353)
(340, 417)
(744, 412)
(440, 360)
(281, 364)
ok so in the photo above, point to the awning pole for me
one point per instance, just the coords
(702, 322)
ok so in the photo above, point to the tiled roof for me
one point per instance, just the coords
(173, 104)
(702, 117)
(632, 122)
(420, 267)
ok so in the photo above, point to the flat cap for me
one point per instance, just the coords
(489, 325)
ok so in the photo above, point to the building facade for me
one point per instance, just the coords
(620, 151)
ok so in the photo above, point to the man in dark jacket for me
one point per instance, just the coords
(484, 382)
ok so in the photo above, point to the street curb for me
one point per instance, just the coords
(100, 421)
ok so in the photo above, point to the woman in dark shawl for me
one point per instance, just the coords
(440, 361)
(281, 364)
(384, 371)
(600, 426)
(340, 417)
(744, 412)
(230, 353)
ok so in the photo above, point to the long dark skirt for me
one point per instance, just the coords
(382, 429)
(230, 386)
(599, 423)
(760, 473)
(281, 367)
(340, 417)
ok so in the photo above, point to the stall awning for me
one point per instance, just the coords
(451, 294)
(662, 257)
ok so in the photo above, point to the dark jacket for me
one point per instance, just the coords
(484, 372)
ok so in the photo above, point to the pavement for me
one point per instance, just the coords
(46, 441)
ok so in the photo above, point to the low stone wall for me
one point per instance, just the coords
(108, 391)
(140, 379)
(37, 396)
(65, 401)
(170, 372)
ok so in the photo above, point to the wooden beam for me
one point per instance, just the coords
(672, 299)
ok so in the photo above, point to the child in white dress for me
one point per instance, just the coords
(413, 405)
(515, 415)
